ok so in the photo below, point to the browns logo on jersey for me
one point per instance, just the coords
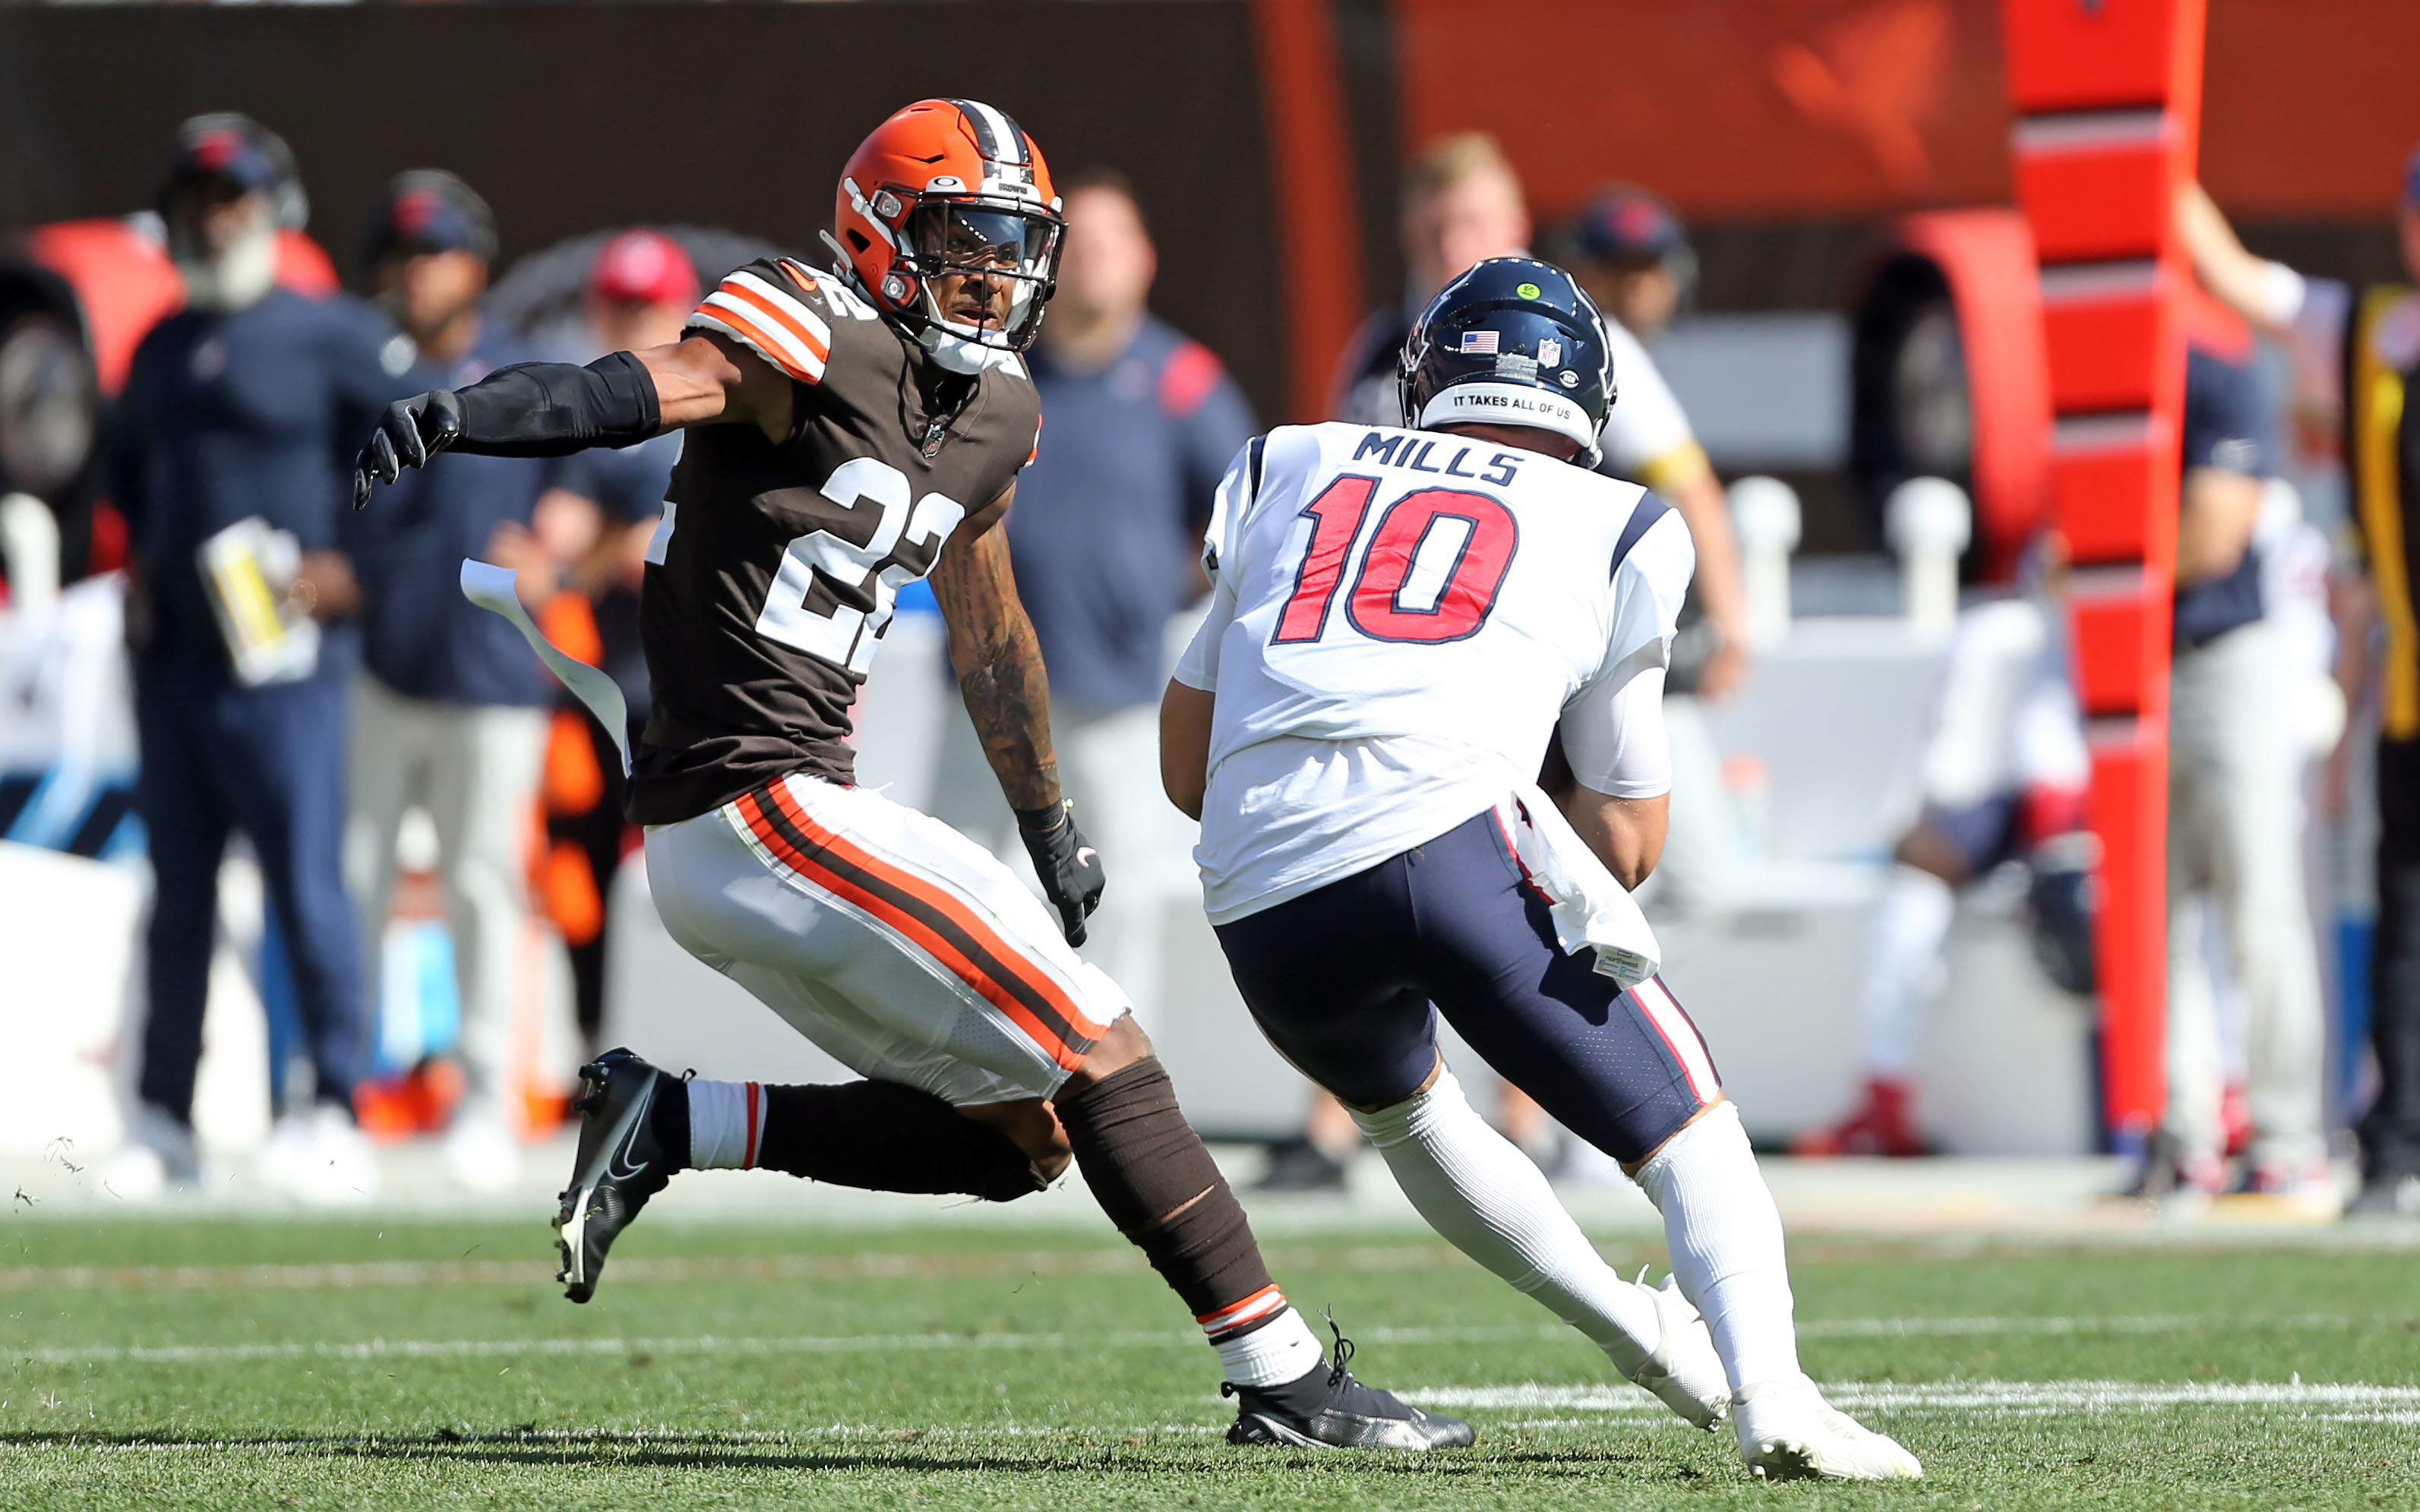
(776, 570)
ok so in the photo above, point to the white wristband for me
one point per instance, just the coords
(2282, 291)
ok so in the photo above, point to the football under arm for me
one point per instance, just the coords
(1185, 719)
(999, 659)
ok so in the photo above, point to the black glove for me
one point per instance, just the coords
(1068, 866)
(409, 434)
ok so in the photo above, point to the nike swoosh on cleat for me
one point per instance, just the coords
(616, 1166)
(1085, 856)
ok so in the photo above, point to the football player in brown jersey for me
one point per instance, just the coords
(850, 430)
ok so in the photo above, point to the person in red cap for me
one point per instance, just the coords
(642, 286)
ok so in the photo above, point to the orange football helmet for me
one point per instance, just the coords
(950, 186)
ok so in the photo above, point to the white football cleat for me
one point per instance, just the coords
(1685, 1372)
(1787, 1431)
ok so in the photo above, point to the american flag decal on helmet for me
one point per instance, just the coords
(1478, 342)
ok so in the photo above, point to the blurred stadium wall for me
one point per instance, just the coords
(1263, 133)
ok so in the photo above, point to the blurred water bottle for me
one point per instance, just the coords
(1749, 783)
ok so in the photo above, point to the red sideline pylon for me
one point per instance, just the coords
(2108, 101)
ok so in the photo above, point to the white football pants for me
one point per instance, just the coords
(1108, 763)
(903, 949)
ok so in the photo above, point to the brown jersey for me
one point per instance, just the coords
(773, 578)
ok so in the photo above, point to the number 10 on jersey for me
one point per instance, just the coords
(1431, 572)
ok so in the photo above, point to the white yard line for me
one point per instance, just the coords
(2384, 1404)
(2394, 1406)
(704, 1268)
(1820, 1328)
(1612, 1400)
(702, 1344)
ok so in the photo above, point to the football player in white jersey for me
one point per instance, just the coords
(1407, 623)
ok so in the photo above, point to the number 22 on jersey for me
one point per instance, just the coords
(843, 635)
(1430, 574)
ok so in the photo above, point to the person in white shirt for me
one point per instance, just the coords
(1408, 628)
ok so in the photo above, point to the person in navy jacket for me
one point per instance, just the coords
(235, 425)
(451, 710)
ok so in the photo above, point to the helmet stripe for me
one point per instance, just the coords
(995, 134)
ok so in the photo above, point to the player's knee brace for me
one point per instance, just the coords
(884, 1136)
(1143, 1161)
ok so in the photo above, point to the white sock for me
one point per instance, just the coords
(1280, 1350)
(1903, 941)
(1476, 1188)
(726, 1122)
(1725, 1239)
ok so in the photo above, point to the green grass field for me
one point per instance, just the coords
(194, 1362)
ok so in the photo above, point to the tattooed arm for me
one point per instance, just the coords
(999, 662)
(1000, 676)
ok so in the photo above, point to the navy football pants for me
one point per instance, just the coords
(270, 762)
(1342, 979)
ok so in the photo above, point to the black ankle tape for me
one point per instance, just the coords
(882, 1136)
(1142, 1162)
(668, 1121)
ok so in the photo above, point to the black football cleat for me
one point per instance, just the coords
(1327, 1409)
(621, 1163)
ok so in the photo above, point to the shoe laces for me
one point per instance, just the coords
(1343, 1355)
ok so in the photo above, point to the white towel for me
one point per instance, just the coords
(491, 587)
(1592, 911)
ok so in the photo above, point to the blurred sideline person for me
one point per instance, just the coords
(1462, 203)
(1138, 424)
(450, 714)
(1628, 250)
(2331, 332)
(2235, 821)
(1631, 254)
(1358, 725)
(639, 293)
(225, 458)
(847, 432)
(2005, 776)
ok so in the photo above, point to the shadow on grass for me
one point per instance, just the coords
(937, 1452)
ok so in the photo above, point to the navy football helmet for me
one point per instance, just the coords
(1513, 342)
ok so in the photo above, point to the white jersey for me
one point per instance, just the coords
(1399, 620)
